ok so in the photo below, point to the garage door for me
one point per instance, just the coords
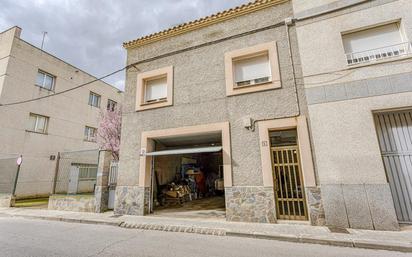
(395, 138)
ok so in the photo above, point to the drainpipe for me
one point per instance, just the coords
(288, 22)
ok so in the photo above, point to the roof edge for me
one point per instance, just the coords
(203, 22)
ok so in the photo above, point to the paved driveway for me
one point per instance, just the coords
(25, 237)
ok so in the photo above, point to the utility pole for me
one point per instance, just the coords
(42, 42)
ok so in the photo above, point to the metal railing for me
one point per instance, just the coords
(377, 54)
(114, 166)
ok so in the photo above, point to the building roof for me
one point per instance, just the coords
(203, 22)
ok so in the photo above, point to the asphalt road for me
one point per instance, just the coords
(24, 237)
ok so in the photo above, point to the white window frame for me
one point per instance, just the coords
(150, 101)
(46, 74)
(36, 123)
(93, 96)
(253, 81)
(90, 137)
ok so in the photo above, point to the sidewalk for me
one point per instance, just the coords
(385, 240)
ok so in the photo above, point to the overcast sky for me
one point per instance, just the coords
(89, 33)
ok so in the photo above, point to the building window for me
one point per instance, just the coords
(252, 69)
(374, 44)
(111, 105)
(154, 89)
(38, 123)
(87, 172)
(45, 80)
(94, 99)
(90, 134)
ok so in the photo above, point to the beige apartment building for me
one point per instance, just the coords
(39, 130)
(357, 67)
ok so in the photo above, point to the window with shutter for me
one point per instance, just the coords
(252, 70)
(156, 90)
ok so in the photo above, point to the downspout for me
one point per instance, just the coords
(288, 22)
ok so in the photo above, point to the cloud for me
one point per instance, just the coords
(89, 34)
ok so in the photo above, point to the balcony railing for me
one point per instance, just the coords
(379, 53)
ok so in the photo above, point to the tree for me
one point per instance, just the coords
(108, 133)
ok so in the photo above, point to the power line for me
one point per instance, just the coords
(67, 90)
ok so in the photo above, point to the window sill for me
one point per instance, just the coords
(154, 105)
(393, 59)
(265, 86)
(155, 102)
(90, 141)
(35, 132)
(98, 107)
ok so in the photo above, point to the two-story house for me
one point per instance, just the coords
(357, 72)
(38, 130)
(214, 119)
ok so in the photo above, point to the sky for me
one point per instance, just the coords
(89, 33)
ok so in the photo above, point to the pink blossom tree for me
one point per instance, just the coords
(108, 133)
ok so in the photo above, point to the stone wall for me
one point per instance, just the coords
(78, 203)
(315, 206)
(250, 204)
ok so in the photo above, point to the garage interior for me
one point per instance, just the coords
(187, 177)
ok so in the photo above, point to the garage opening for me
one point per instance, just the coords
(187, 176)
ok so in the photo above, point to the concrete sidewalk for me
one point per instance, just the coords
(385, 240)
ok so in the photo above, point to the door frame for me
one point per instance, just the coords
(303, 141)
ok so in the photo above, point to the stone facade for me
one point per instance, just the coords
(132, 200)
(315, 206)
(78, 203)
(250, 204)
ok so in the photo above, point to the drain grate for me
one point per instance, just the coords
(338, 230)
(116, 216)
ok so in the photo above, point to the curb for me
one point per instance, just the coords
(70, 220)
(353, 243)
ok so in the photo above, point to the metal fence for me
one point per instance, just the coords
(8, 171)
(76, 172)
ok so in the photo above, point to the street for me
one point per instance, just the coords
(25, 237)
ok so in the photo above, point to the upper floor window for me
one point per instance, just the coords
(111, 105)
(252, 69)
(94, 99)
(45, 80)
(38, 123)
(90, 134)
(154, 89)
(374, 44)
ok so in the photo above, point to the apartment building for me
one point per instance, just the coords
(357, 71)
(39, 130)
(214, 121)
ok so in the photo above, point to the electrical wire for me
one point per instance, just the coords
(67, 90)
